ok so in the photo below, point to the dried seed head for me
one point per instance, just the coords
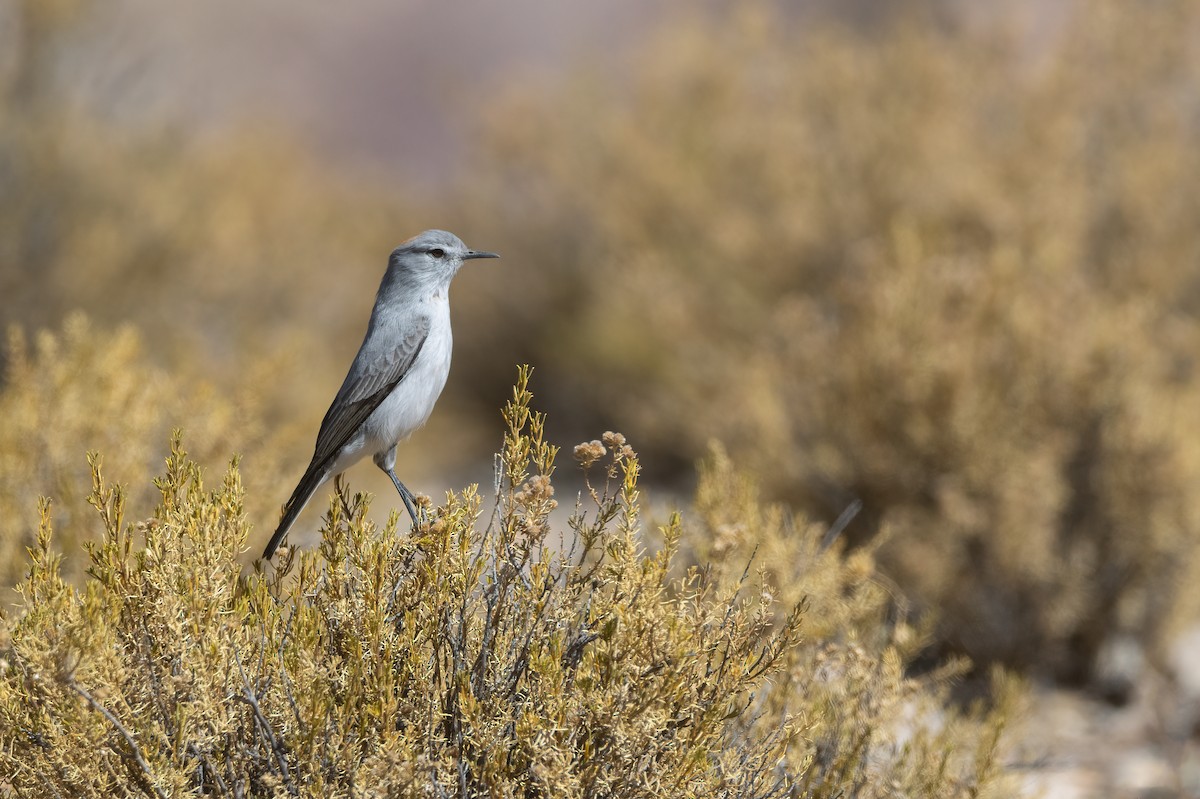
(613, 440)
(589, 452)
(541, 487)
(536, 488)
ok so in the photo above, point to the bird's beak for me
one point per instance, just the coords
(479, 254)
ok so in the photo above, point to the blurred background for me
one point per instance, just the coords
(942, 257)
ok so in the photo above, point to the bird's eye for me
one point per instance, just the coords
(438, 252)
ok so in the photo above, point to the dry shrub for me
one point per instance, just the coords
(484, 654)
(215, 246)
(938, 269)
(225, 250)
(90, 389)
(946, 270)
(241, 244)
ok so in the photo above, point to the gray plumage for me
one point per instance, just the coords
(397, 375)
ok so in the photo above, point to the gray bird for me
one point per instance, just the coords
(398, 373)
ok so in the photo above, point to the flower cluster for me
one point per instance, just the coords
(589, 452)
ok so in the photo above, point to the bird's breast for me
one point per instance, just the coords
(410, 404)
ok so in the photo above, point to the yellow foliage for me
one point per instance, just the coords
(471, 657)
(939, 268)
(935, 268)
(87, 390)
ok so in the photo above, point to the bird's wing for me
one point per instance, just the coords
(368, 384)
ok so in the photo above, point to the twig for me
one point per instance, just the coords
(113, 720)
(206, 765)
(276, 747)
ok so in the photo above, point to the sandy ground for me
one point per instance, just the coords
(1073, 746)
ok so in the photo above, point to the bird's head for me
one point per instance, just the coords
(431, 259)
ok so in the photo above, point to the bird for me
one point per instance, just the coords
(397, 375)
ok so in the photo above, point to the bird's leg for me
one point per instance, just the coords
(407, 496)
(387, 461)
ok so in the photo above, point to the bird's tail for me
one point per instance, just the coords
(309, 483)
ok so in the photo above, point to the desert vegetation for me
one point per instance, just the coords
(487, 653)
(942, 266)
(943, 271)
